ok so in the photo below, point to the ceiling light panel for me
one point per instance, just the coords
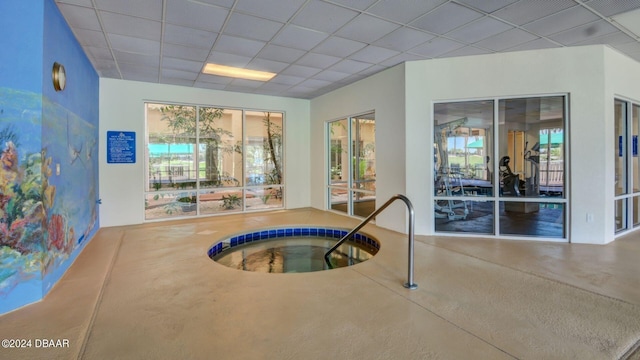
(525, 11)
(279, 10)
(236, 72)
(186, 36)
(561, 21)
(479, 30)
(252, 27)
(366, 29)
(190, 14)
(131, 26)
(299, 38)
(323, 16)
(148, 9)
(403, 39)
(446, 18)
(408, 11)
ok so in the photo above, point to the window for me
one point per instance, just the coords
(500, 167)
(627, 171)
(352, 169)
(206, 160)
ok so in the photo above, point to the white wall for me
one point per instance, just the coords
(578, 71)
(622, 78)
(122, 109)
(383, 93)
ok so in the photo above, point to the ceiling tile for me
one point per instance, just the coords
(252, 27)
(176, 81)
(300, 70)
(99, 53)
(130, 26)
(215, 79)
(401, 58)
(478, 30)
(287, 79)
(436, 47)
(280, 53)
(195, 15)
(321, 16)
(80, 17)
(561, 21)
(280, 10)
(299, 38)
(148, 9)
(507, 39)
(222, 58)
(354, 4)
(224, 3)
(139, 72)
(314, 83)
(238, 84)
(630, 20)
(408, 11)
(239, 46)
(86, 3)
(535, 45)
(329, 75)
(181, 64)
(584, 32)
(271, 87)
(525, 11)
(616, 38)
(91, 38)
(185, 52)
(209, 85)
(317, 60)
(403, 39)
(487, 6)
(181, 35)
(446, 18)
(179, 74)
(367, 29)
(337, 46)
(267, 65)
(613, 7)
(468, 51)
(350, 66)
(138, 59)
(373, 54)
(134, 45)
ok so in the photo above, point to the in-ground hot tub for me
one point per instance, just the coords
(292, 249)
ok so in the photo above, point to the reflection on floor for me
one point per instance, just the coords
(362, 208)
(516, 218)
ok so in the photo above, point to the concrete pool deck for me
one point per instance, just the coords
(150, 292)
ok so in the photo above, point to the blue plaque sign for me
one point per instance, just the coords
(121, 147)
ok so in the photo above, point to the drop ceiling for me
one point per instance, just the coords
(316, 46)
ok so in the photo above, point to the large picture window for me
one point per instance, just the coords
(500, 167)
(207, 160)
(352, 165)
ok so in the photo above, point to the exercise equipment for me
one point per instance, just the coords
(448, 182)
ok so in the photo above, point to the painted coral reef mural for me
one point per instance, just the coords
(48, 180)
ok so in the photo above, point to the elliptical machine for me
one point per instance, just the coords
(510, 181)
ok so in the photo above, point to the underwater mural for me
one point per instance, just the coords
(48, 180)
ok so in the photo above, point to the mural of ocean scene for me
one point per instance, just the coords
(44, 217)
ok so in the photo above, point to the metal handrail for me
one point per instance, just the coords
(409, 284)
